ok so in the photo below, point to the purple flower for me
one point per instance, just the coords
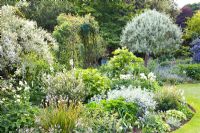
(196, 50)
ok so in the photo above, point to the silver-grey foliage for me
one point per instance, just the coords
(153, 33)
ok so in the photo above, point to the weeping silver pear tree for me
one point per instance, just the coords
(151, 33)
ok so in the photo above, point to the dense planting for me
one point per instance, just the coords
(68, 80)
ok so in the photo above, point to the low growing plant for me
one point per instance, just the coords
(174, 118)
(62, 118)
(169, 98)
(153, 123)
(127, 111)
(191, 70)
(15, 109)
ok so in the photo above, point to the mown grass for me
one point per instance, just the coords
(192, 93)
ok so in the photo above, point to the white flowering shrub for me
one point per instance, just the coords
(65, 85)
(19, 37)
(143, 98)
(151, 33)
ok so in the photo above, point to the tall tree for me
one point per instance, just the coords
(112, 16)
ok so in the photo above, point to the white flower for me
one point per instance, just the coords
(1, 101)
(3, 89)
(151, 76)
(18, 71)
(17, 96)
(126, 76)
(18, 100)
(13, 90)
(143, 76)
(26, 88)
(21, 83)
(19, 88)
(184, 72)
(71, 62)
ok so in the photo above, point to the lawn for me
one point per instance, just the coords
(192, 93)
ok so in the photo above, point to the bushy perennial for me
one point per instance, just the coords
(196, 50)
(140, 96)
(174, 118)
(65, 84)
(151, 32)
(20, 36)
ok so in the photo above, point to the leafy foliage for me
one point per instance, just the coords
(94, 82)
(65, 84)
(15, 110)
(45, 12)
(153, 123)
(151, 33)
(111, 15)
(191, 70)
(126, 110)
(192, 30)
(165, 6)
(174, 118)
(168, 98)
(78, 40)
(123, 62)
(19, 37)
(99, 120)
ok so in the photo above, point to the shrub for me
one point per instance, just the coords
(127, 111)
(15, 109)
(94, 82)
(65, 84)
(177, 114)
(153, 123)
(99, 120)
(151, 33)
(192, 30)
(77, 85)
(144, 98)
(19, 37)
(123, 62)
(61, 118)
(170, 74)
(186, 110)
(191, 70)
(168, 98)
(78, 39)
(174, 118)
(196, 50)
(33, 67)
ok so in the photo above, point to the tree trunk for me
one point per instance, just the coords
(146, 58)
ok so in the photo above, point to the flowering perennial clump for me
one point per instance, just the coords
(196, 50)
(143, 98)
(150, 76)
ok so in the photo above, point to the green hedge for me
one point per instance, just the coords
(191, 70)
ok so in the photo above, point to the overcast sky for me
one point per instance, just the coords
(181, 3)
